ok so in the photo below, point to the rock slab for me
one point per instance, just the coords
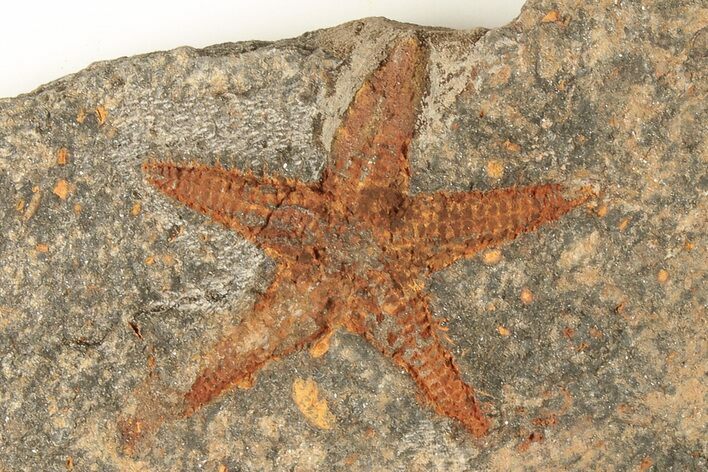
(586, 341)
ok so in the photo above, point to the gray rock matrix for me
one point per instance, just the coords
(586, 340)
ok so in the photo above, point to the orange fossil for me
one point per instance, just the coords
(355, 248)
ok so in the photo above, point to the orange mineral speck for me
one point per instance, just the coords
(492, 256)
(646, 464)
(306, 395)
(623, 224)
(602, 211)
(662, 276)
(495, 169)
(62, 156)
(33, 205)
(62, 189)
(526, 296)
(321, 346)
(101, 114)
(503, 331)
(551, 17)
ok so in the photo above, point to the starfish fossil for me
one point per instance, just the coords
(355, 248)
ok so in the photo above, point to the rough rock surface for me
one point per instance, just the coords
(586, 340)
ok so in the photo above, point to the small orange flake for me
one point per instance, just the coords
(491, 257)
(33, 204)
(81, 116)
(623, 224)
(69, 463)
(222, 468)
(321, 346)
(150, 260)
(101, 114)
(568, 332)
(62, 156)
(61, 189)
(662, 276)
(135, 210)
(645, 464)
(511, 147)
(306, 397)
(20, 206)
(495, 169)
(503, 330)
(602, 211)
(526, 295)
(77, 209)
(689, 245)
(551, 17)
(42, 248)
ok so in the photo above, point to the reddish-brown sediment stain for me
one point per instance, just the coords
(533, 437)
(355, 248)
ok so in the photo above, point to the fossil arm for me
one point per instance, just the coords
(446, 226)
(285, 318)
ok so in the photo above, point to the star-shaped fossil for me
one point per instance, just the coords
(355, 248)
